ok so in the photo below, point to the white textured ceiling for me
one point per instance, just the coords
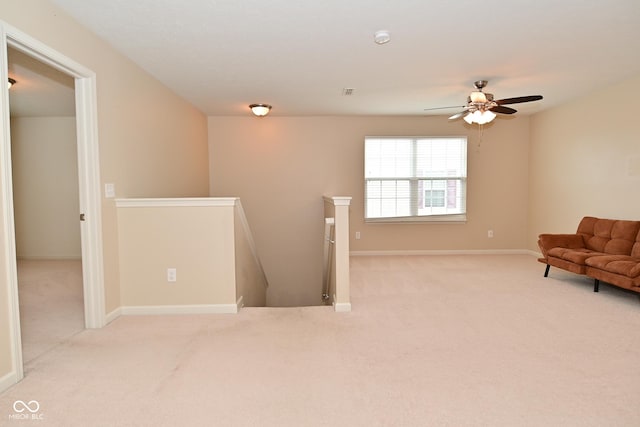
(222, 55)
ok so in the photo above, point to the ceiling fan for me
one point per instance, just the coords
(481, 108)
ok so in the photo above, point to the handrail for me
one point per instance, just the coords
(337, 210)
(329, 241)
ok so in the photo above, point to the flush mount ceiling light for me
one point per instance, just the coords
(11, 82)
(381, 36)
(260, 110)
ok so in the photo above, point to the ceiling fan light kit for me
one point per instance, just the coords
(480, 117)
(478, 97)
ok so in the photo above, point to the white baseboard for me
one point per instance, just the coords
(7, 381)
(175, 309)
(342, 307)
(535, 254)
(113, 315)
(179, 309)
(444, 252)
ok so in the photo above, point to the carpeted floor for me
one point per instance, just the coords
(431, 341)
(51, 304)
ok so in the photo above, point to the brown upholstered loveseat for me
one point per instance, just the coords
(603, 249)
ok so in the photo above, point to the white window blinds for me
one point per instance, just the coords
(415, 179)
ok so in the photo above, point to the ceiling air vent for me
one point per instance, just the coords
(347, 91)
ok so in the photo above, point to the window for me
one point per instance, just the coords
(415, 179)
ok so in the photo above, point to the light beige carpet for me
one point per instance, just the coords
(431, 341)
(51, 304)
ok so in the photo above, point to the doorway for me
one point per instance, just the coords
(45, 200)
(88, 185)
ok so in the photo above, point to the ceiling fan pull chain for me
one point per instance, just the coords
(480, 134)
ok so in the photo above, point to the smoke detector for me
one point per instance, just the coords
(381, 36)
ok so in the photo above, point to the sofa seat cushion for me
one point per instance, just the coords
(577, 256)
(618, 264)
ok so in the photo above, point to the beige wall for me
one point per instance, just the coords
(251, 283)
(45, 187)
(207, 241)
(197, 241)
(282, 166)
(152, 143)
(585, 160)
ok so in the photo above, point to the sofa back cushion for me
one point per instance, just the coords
(610, 236)
(635, 250)
(587, 228)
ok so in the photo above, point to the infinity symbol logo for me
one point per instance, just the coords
(33, 406)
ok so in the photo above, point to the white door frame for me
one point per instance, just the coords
(89, 184)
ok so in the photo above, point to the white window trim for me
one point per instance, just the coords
(460, 218)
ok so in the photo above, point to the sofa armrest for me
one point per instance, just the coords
(569, 241)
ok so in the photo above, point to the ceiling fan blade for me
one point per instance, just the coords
(459, 115)
(444, 108)
(503, 110)
(518, 99)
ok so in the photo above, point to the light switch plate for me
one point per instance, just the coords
(109, 190)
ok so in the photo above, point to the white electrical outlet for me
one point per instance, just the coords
(357, 235)
(172, 275)
(490, 234)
